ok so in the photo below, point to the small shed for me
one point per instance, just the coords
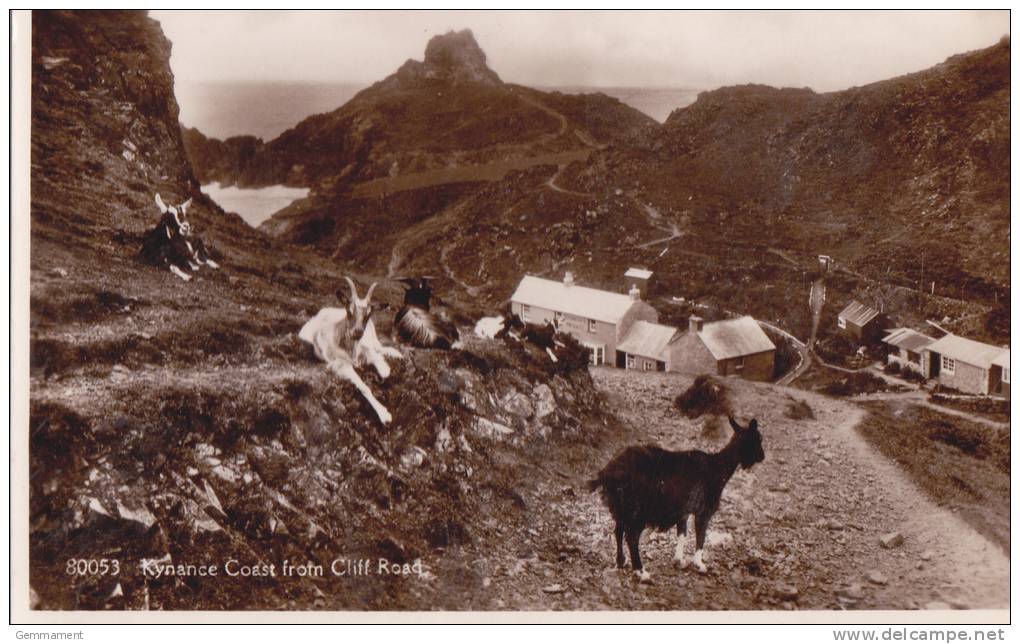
(906, 348)
(964, 364)
(862, 323)
(637, 277)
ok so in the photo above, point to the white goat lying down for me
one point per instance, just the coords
(346, 338)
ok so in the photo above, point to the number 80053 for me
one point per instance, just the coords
(83, 567)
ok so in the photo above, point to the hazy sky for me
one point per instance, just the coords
(822, 49)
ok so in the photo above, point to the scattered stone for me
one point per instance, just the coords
(877, 578)
(891, 540)
(554, 589)
(853, 592)
(490, 429)
(141, 515)
(718, 539)
(117, 592)
(927, 555)
(786, 592)
(486, 582)
(545, 402)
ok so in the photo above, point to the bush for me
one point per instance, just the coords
(859, 382)
(912, 376)
(799, 410)
(707, 395)
(893, 368)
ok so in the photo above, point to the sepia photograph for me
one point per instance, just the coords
(529, 315)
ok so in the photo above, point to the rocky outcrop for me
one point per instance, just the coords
(453, 58)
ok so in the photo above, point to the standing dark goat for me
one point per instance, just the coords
(416, 324)
(650, 487)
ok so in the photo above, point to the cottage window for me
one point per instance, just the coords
(592, 326)
(558, 319)
(631, 361)
(841, 322)
(648, 365)
(1005, 375)
(913, 356)
(739, 363)
(948, 364)
(525, 313)
(598, 354)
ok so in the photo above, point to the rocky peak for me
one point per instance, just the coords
(453, 57)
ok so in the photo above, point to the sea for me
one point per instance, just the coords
(266, 110)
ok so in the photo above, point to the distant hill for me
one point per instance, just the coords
(879, 176)
(447, 111)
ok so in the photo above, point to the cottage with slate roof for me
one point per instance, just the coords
(598, 319)
(735, 347)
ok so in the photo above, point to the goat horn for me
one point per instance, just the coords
(368, 295)
(354, 289)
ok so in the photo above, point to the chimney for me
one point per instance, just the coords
(568, 279)
(695, 324)
(634, 292)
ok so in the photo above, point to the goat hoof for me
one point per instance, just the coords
(701, 568)
(644, 577)
(680, 562)
(385, 418)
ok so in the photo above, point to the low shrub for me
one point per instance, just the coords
(707, 395)
(799, 410)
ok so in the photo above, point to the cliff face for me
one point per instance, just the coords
(102, 115)
(183, 422)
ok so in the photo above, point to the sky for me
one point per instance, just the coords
(824, 50)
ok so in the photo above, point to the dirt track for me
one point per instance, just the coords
(802, 530)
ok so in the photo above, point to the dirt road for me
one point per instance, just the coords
(801, 530)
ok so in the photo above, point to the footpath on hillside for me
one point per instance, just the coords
(803, 530)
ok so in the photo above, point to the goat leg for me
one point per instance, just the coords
(345, 371)
(681, 542)
(621, 561)
(633, 538)
(179, 273)
(700, 530)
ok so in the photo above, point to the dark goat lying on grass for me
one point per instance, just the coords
(415, 323)
(540, 335)
(649, 487)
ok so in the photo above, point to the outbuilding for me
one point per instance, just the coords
(906, 348)
(862, 323)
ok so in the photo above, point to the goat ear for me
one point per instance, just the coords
(160, 204)
(186, 204)
(736, 427)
